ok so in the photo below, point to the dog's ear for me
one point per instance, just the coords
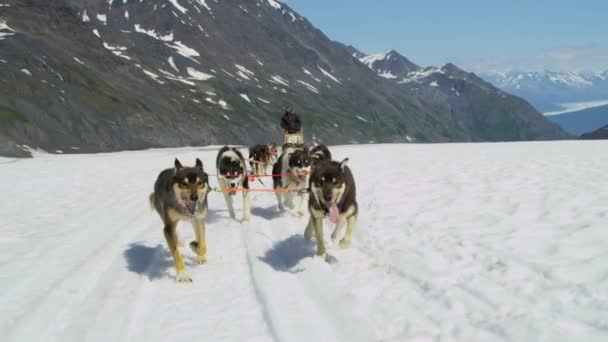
(178, 165)
(199, 164)
(343, 164)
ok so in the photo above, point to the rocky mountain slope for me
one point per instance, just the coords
(104, 75)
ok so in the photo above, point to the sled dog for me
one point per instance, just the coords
(180, 193)
(291, 172)
(232, 177)
(332, 195)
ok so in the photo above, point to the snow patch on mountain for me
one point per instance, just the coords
(198, 75)
(245, 97)
(309, 86)
(178, 6)
(279, 80)
(419, 75)
(153, 34)
(329, 75)
(7, 30)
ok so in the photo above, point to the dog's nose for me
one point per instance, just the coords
(194, 197)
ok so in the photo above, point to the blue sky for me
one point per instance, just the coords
(479, 35)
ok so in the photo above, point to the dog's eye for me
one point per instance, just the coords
(183, 185)
(323, 179)
(333, 180)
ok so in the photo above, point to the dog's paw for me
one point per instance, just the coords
(201, 259)
(246, 217)
(301, 212)
(180, 243)
(322, 256)
(344, 243)
(183, 278)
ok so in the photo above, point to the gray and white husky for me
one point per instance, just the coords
(290, 174)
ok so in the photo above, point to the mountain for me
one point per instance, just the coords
(582, 121)
(601, 133)
(470, 103)
(105, 75)
(548, 90)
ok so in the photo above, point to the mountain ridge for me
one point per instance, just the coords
(94, 75)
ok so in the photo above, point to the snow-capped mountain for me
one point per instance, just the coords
(547, 90)
(100, 75)
(390, 64)
(472, 103)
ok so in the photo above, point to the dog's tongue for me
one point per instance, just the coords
(334, 213)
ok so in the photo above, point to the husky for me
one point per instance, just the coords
(259, 159)
(319, 153)
(232, 177)
(290, 173)
(333, 195)
(180, 194)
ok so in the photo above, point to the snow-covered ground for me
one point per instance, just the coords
(455, 242)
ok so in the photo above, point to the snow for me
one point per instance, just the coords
(309, 86)
(197, 75)
(172, 64)
(3, 61)
(210, 93)
(279, 80)
(79, 61)
(244, 70)
(419, 75)
(178, 6)
(275, 4)
(244, 96)
(96, 33)
(387, 74)
(85, 17)
(226, 117)
(27, 72)
(223, 104)
(370, 60)
(166, 38)
(202, 2)
(103, 18)
(5, 27)
(329, 75)
(184, 50)
(434, 84)
(263, 100)
(311, 75)
(469, 242)
(362, 118)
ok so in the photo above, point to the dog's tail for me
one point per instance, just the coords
(152, 205)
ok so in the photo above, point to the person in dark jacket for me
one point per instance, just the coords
(290, 121)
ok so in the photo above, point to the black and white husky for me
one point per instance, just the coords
(232, 177)
(291, 172)
(319, 153)
(333, 195)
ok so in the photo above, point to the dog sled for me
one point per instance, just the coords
(294, 138)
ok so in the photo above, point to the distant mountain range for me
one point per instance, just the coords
(548, 90)
(574, 100)
(107, 75)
